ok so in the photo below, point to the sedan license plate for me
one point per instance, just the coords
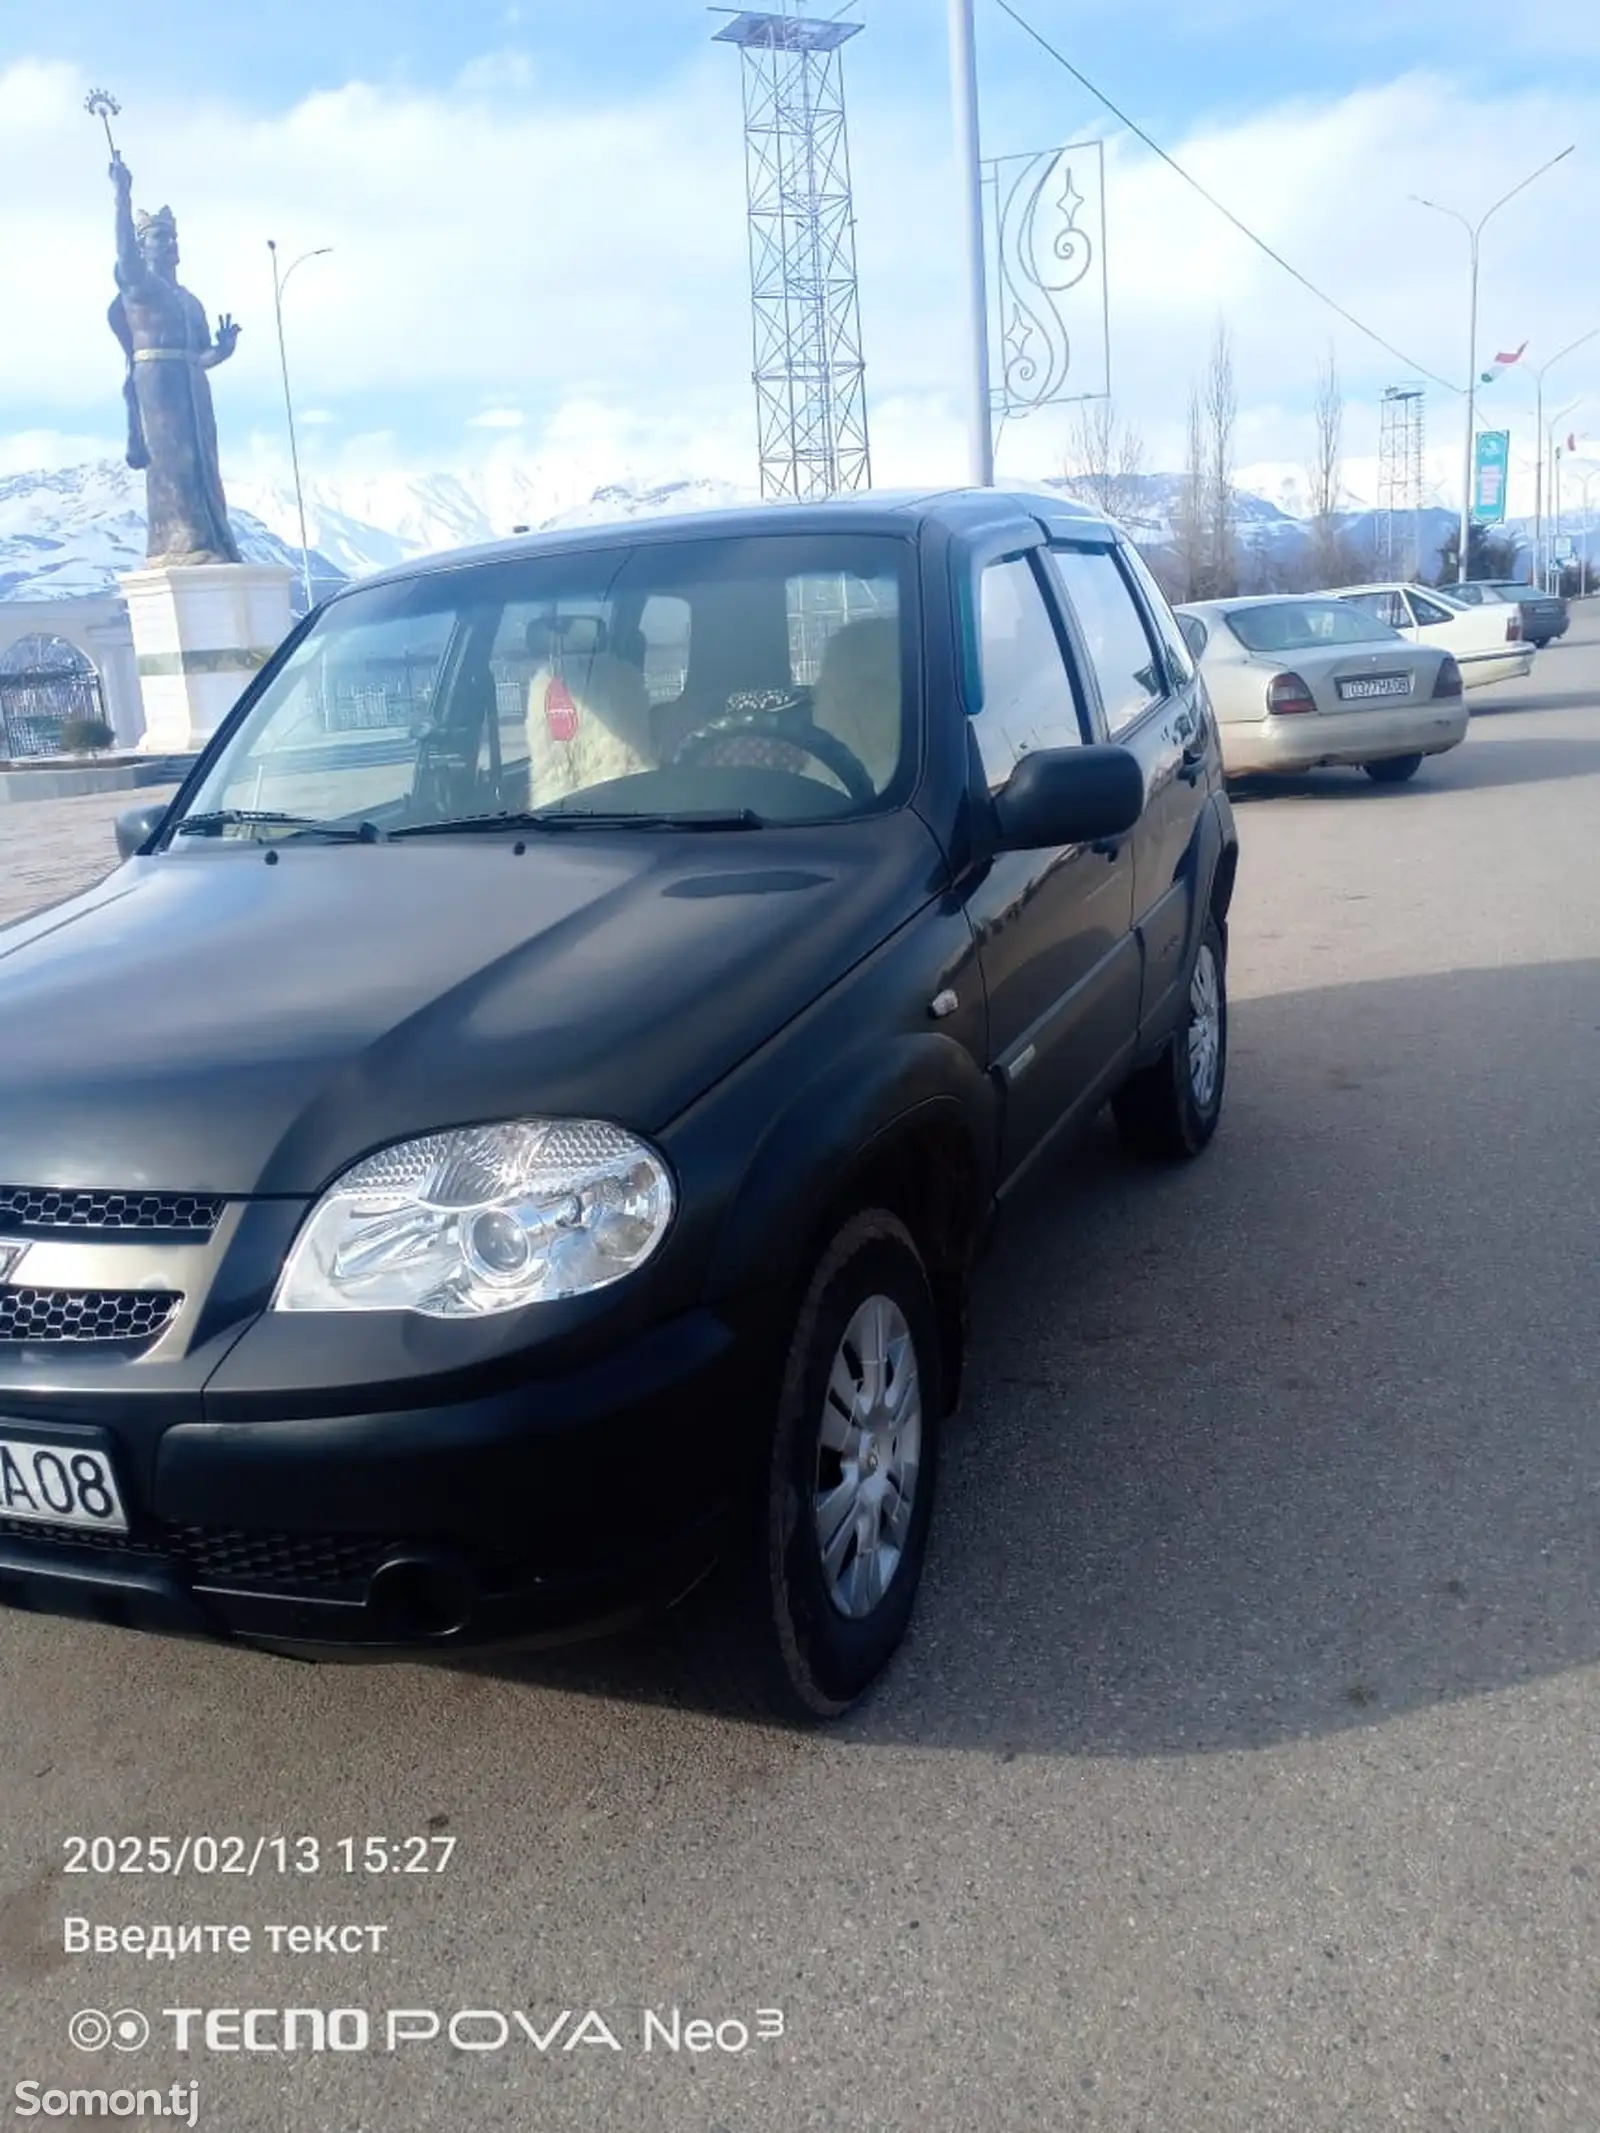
(59, 1485)
(1375, 685)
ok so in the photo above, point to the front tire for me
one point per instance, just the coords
(851, 1474)
(1393, 769)
(1169, 1111)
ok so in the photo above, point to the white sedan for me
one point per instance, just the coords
(1487, 641)
(1299, 681)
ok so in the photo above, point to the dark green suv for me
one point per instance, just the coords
(518, 1128)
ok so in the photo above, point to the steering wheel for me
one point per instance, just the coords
(789, 723)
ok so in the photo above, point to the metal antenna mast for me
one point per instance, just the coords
(810, 379)
(1401, 456)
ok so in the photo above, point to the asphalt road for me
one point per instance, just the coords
(1240, 1771)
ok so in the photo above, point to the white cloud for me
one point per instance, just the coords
(585, 265)
(30, 451)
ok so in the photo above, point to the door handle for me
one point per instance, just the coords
(1194, 753)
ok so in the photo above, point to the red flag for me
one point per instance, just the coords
(1504, 362)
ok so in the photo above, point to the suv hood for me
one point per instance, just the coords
(204, 1022)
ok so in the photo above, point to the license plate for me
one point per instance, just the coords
(1376, 685)
(59, 1485)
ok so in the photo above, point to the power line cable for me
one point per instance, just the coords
(1211, 199)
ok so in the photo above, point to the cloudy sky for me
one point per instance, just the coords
(536, 211)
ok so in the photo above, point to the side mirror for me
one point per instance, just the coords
(1069, 796)
(137, 825)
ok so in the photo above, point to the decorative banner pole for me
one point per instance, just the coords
(969, 171)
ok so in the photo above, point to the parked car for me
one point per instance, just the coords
(1488, 645)
(1301, 681)
(461, 1186)
(1544, 615)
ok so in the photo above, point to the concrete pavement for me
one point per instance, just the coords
(1240, 1770)
(53, 848)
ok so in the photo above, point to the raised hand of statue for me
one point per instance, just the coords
(121, 176)
(227, 337)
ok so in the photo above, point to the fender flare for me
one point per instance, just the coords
(1209, 851)
(835, 1126)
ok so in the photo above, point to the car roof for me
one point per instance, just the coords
(899, 512)
(1391, 585)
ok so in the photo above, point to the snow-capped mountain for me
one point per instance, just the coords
(69, 533)
(364, 524)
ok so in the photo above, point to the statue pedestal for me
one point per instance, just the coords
(199, 632)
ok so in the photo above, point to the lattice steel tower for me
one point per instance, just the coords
(1401, 445)
(810, 380)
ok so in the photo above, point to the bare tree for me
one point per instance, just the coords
(1221, 413)
(1104, 458)
(1326, 475)
(1189, 520)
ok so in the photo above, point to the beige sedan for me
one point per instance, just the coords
(1299, 681)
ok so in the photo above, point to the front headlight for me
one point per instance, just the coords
(483, 1219)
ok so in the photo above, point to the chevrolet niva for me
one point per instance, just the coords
(516, 1130)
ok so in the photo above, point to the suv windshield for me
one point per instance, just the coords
(738, 680)
(1304, 625)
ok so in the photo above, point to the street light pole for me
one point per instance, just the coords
(279, 283)
(1548, 457)
(1475, 232)
(1538, 472)
(969, 171)
(1583, 567)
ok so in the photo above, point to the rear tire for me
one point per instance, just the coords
(1393, 769)
(842, 1531)
(1169, 1111)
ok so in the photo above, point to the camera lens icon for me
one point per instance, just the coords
(127, 2030)
(90, 2030)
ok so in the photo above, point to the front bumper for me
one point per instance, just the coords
(534, 1514)
(1310, 740)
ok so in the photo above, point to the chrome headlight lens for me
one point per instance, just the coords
(483, 1219)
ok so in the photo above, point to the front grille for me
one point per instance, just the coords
(290, 1562)
(307, 1563)
(43, 1208)
(123, 1315)
(26, 1529)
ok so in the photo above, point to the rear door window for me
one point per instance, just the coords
(1126, 660)
(1387, 606)
(1168, 626)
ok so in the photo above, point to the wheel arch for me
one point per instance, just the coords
(911, 1128)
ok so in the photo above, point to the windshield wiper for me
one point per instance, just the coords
(739, 818)
(251, 817)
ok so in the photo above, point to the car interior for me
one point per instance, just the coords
(579, 699)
